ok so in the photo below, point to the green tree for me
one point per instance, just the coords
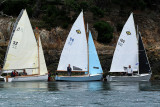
(105, 31)
(97, 11)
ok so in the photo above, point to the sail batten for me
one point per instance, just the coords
(75, 48)
(126, 51)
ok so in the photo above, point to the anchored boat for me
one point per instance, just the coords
(24, 52)
(130, 51)
(81, 56)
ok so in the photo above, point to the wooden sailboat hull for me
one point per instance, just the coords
(28, 78)
(141, 77)
(96, 77)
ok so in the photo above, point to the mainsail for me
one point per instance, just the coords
(144, 66)
(94, 63)
(126, 51)
(22, 51)
(75, 48)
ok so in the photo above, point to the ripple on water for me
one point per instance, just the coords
(81, 94)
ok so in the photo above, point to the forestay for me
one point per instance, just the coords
(126, 52)
(75, 48)
(22, 51)
(94, 63)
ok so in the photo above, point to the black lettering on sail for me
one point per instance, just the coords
(14, 45)
(96, 67)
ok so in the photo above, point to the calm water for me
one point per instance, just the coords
(81, 94)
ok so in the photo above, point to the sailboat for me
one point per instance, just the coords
(81, 56)
(25, 53)
(130, 51)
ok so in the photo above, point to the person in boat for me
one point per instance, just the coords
(12, 74)
(49, 76)
(16, 73)
(69, 70)
(129, 71)
(24, 72)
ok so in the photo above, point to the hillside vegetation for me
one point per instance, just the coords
(105, 18)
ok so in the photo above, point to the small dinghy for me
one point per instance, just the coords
(130, 51)
(24, 53)
(81, 56)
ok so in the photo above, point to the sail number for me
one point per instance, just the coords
(19, 29)
(121, 42)
(71, 40)
(14, 45)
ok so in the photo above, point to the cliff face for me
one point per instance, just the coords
(53, 40)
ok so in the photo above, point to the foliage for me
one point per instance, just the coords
(134, 4)
(72, 5)
(58, 12)
(55, 17)
(97, 11)
(13, 7)
(84, 5)
(105, 31)
(119, 27)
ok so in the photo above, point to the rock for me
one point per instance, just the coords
(1, 37)
(94, 33)
(10, 27)
(44, 35)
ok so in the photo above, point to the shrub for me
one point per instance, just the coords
(55, 17)
(119, 27)
(105, 31)
(13, 7)
(97, 11)
(84, 5)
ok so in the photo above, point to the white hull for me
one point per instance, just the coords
(141, 77)
(1, 78)
(27, 78)
(96, 77)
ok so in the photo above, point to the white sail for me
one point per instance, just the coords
(43, 68)
(75, 48)
(22, 51)
(126, 51)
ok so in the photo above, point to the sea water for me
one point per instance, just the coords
(80, 94)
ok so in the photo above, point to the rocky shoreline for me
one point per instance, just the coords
(53, 40)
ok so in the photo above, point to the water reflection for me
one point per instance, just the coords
(124, 86)
(85, 86)
(24, 86)
(75, 86)
(149, 86)
(85, 94)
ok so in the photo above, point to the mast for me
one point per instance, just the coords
(87, 41)
(88, 46)
(37, 36)
(138, 48)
